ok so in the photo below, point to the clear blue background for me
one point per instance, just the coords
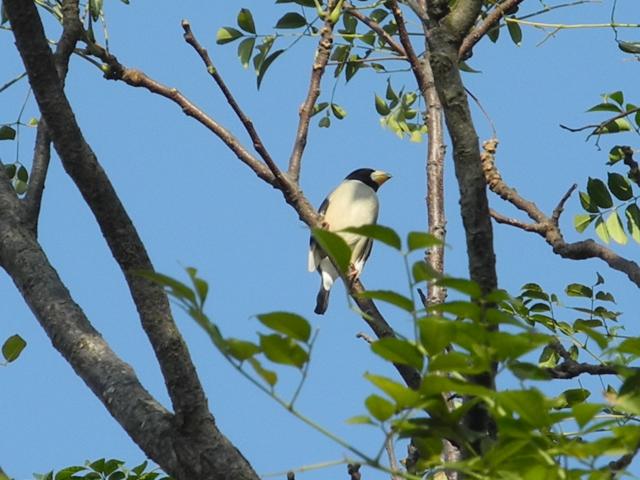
(195, 204)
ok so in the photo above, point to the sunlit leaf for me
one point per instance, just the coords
(418, 240)
(12, 347)
(398, 351)
(391, 297)
(267, 375)
(241, 349)
(578, 290)
(335, 246)
(381, 233)
(227, 35)
(633, 221)
(380, 408)
(245, 21)
(614, 226)
(283, 350)
(245, 49)
(601, 230)
(266, 64)
(290, 324)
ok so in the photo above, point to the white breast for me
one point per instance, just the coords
(352, 204)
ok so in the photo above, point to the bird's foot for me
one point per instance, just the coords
(352, 274)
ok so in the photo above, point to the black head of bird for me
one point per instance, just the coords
(353, 203)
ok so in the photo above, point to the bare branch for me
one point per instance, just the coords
(634, 171)
(555, 216)
(319, 64)
(600, 128)
(547, 227)
(353, 469)
(244, 119)
(39, 168)
(487, 24)
(393, 460)
(617, 467)
(416, 64)
(136, 78)
(514, 222)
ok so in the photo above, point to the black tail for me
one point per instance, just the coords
(322, 301)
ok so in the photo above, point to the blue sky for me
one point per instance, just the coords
(195, 204)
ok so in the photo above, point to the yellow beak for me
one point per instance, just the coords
(380, 177)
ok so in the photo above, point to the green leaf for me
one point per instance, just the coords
(629, 47)
(319, 107)
(598, 192)
(515, 32)
(381, 106)
(435, 334)
(291, 20)
(633, 221)
(418, 240)
(617, 97)
(21, 187)
(227, 35)
(403, 396)
(360, 420)
(380, 408)
(325, 122)
(265, 65)
(529, 371)
(381, 233)
(12, 347)
(571, 397)
(338, 111)
(68, 472)
(304, 3)
(528, 404)
(614, 126)
(587, 203)
(290, 324)
(95, 7)
(23, 174)
(241, 349)
(584, 412)
(7, 132)
(615, 155)
(578, 290)
(614, 226)
(601, 230)
(245, 48)
(391, 297)
(283, 350)
(398, 351)
(605, 297)
(619, 186)
(462, 285)
(175, 288)
(605, 107)
(335, 246)
(245, 21)
(494, 34)
(10, 170)
(267, 375)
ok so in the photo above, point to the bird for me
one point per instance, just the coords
(353, 203)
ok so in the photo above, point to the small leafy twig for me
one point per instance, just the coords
(547, 227)
(377, 28)
(487, 24)
(598, 127)
(321, 58)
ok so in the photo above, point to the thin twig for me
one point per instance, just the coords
(190, 38)
(598, 127)
(323, 52)
(377, 28)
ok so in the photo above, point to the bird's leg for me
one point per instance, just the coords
(352, 274)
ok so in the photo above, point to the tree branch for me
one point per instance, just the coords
(487, 24)
(289, 188)
(42, 152)
(244, 119)
(319, 64)
(192, 419)
(547, 227)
